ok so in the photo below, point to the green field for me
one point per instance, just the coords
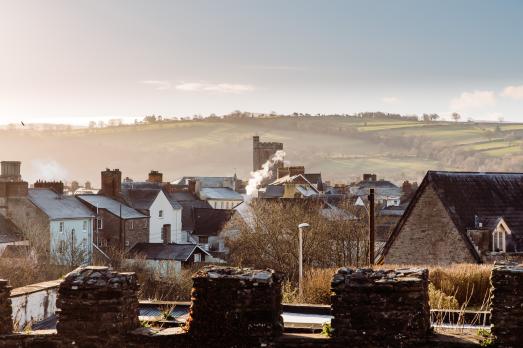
(340, 148)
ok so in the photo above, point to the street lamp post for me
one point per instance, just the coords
(301, 227)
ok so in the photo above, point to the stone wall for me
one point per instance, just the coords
(429, 236)
(507, 304)
(6, 323)
(95, 302)
(235, 305)
(380, 308)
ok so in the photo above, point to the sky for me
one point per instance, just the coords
(75, 61)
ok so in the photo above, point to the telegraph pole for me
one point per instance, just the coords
(371, 227)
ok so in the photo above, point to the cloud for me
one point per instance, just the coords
(160, 85)
(514, 92)
(210, 87)
(473, 100)
(390, 100)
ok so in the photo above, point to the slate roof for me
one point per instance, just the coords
(58, 207)
(273, 191)
(210, 222)
(315, 178)
(16, 251)
(466, 195)
(188, 202)
(160, 251)
(206, 181)
(142, 198)
(112, 206)
(9, 232)
(221, 193)
(382, 187)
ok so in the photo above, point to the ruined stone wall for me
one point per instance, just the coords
(6, 323)
(235, 305)
(429, 236)
(507, 305)
(95, 302)
(380, 308)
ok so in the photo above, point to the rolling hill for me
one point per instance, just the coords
(341, 148)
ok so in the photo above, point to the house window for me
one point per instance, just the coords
(203, 239)
(131, 225)
(100, 224)
(160, 213)
(197, 258)
(498, 239)
(61, 226)
(85, 226)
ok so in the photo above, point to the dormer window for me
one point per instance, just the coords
(499, 237)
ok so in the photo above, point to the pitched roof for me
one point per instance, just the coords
(206, 181)
(9, 232)
(467, 195)
(315, 178)
(56, 206)
(160, 251)
(188, 202)
(114, 207)
(210, 222)
(220, 193)
(16, 251)
(140, 198)
(272, 191)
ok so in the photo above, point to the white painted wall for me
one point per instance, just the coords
(223, 204)
(33, 303)
(170, 216)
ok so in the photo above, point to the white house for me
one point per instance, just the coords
(70, 225)
(162, 211)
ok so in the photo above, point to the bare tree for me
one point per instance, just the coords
(456, 116)
(270, 237)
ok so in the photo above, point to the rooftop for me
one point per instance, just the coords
(111, 205)
(160, 251)
(58, 207)
(221, 193)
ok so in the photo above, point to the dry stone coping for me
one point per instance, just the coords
(215, 272)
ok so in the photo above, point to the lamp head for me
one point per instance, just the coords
(303, 226)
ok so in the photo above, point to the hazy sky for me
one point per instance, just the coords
(82, 60)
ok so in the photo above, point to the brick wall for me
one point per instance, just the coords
(429, 236)
(507, 305)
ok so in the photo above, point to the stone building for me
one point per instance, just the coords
(262, 152)
(460, 217)
(117, 225)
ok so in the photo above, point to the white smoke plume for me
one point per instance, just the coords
(48, 170)
(258, 176)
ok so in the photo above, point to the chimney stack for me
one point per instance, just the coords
(369, 177)
(295, 170)
(10, 171)
(155, 176)
(56, 186)
(111, 182)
